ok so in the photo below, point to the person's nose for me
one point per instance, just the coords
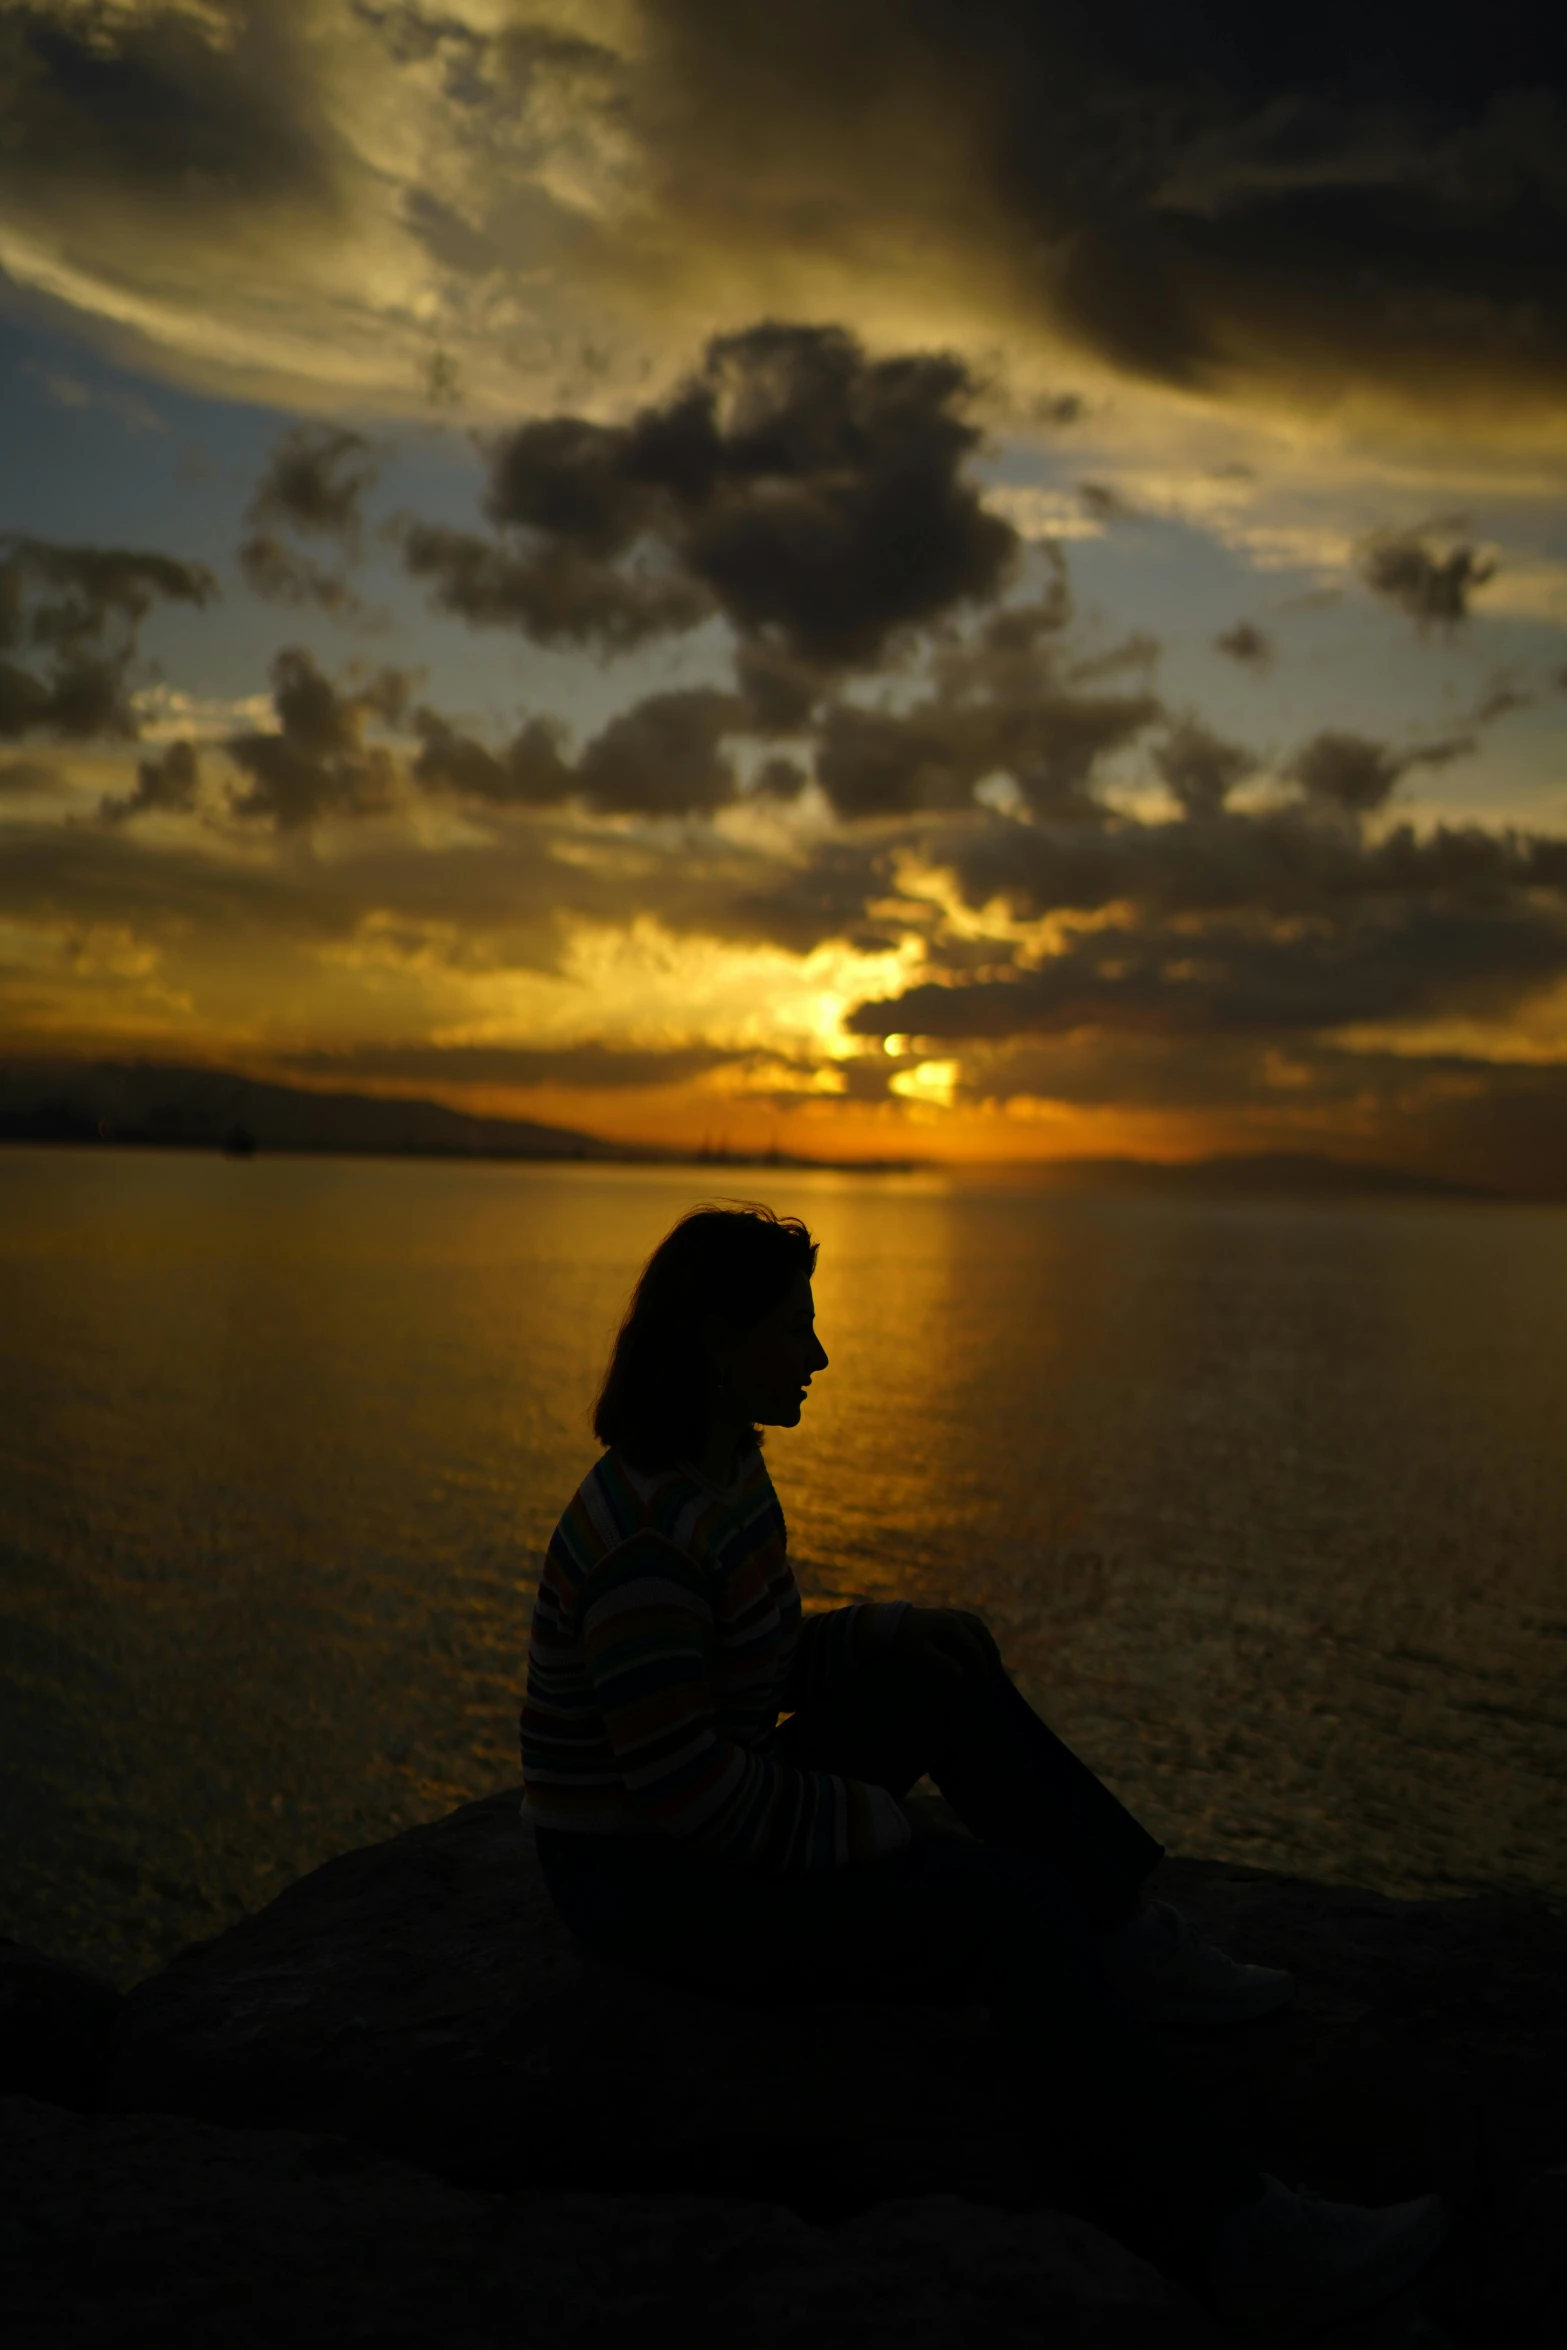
(818, 1355)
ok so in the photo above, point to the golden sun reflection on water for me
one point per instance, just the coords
(1266, 1504)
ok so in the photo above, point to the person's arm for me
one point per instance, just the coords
(647, 1634)
(837, 1643)
(943, 1640)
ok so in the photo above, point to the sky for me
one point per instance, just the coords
(973, 580)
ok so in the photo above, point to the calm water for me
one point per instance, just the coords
(1267, 1504)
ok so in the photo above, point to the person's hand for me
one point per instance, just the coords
(929, 1826)
(946, 1640)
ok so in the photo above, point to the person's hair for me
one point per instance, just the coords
(736, 1262)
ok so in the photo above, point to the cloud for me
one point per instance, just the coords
(1406, 570)
(1101, 502)
(1251, 646)
(1002, 703)
(1347, 771)
(662, 757)
(21, 778)
(1469, 1119)
(780, 779)
(1213, 210)
(284, 576)
(1270, 924)
(142, 95)
(811, 495)
(316, 481)
(1049, 741)
(165, 785)
(876, 763)
(590, 1065)
(553, 593)
(314, 485)
(165, 161)
(495, 901)
(293, 193)
(1296, 233)
(1043, 516)
(530, 772)
(1003, 698)
(821, 896)
(781, 691)
(1211, 959)
(1275, 866)
(883, 762)
(317, 763)
(1424, 962)
(69, 618)
(1200, 768)
(1140, 650)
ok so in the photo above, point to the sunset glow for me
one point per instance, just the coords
(568, 561)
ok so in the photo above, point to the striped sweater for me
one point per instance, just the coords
(667, 1637)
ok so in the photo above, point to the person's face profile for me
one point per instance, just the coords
(767, 1368)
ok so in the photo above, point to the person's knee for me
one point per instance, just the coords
(923, 1691)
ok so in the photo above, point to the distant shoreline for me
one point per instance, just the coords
(140, 1105)
(1261, 1178)
(605, 1154)
(143, 1104)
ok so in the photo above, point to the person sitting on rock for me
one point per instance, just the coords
(684, 1831)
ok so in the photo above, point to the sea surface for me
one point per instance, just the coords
(1266, 1502)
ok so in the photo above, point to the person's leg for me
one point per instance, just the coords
(1016, 1786)
(1088, 2082)
(1007, 1775)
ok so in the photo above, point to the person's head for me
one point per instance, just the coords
(719, 1335)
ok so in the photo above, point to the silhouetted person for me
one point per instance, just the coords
(683, 1831)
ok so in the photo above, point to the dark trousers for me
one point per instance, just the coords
(1011, 1915)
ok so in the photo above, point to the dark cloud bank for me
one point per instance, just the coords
(1200, 193)
(1208, 194)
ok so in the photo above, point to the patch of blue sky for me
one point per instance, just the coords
(95, 454)
(1340, 660)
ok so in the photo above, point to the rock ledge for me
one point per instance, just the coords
(400, 2105)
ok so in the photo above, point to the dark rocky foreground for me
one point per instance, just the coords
(398, 2108)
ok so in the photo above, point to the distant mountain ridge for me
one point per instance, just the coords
(148, 1102)
(175, 1105)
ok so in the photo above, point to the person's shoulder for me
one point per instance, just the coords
(675, 1504)
(623, 1500)
(606, 1509)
